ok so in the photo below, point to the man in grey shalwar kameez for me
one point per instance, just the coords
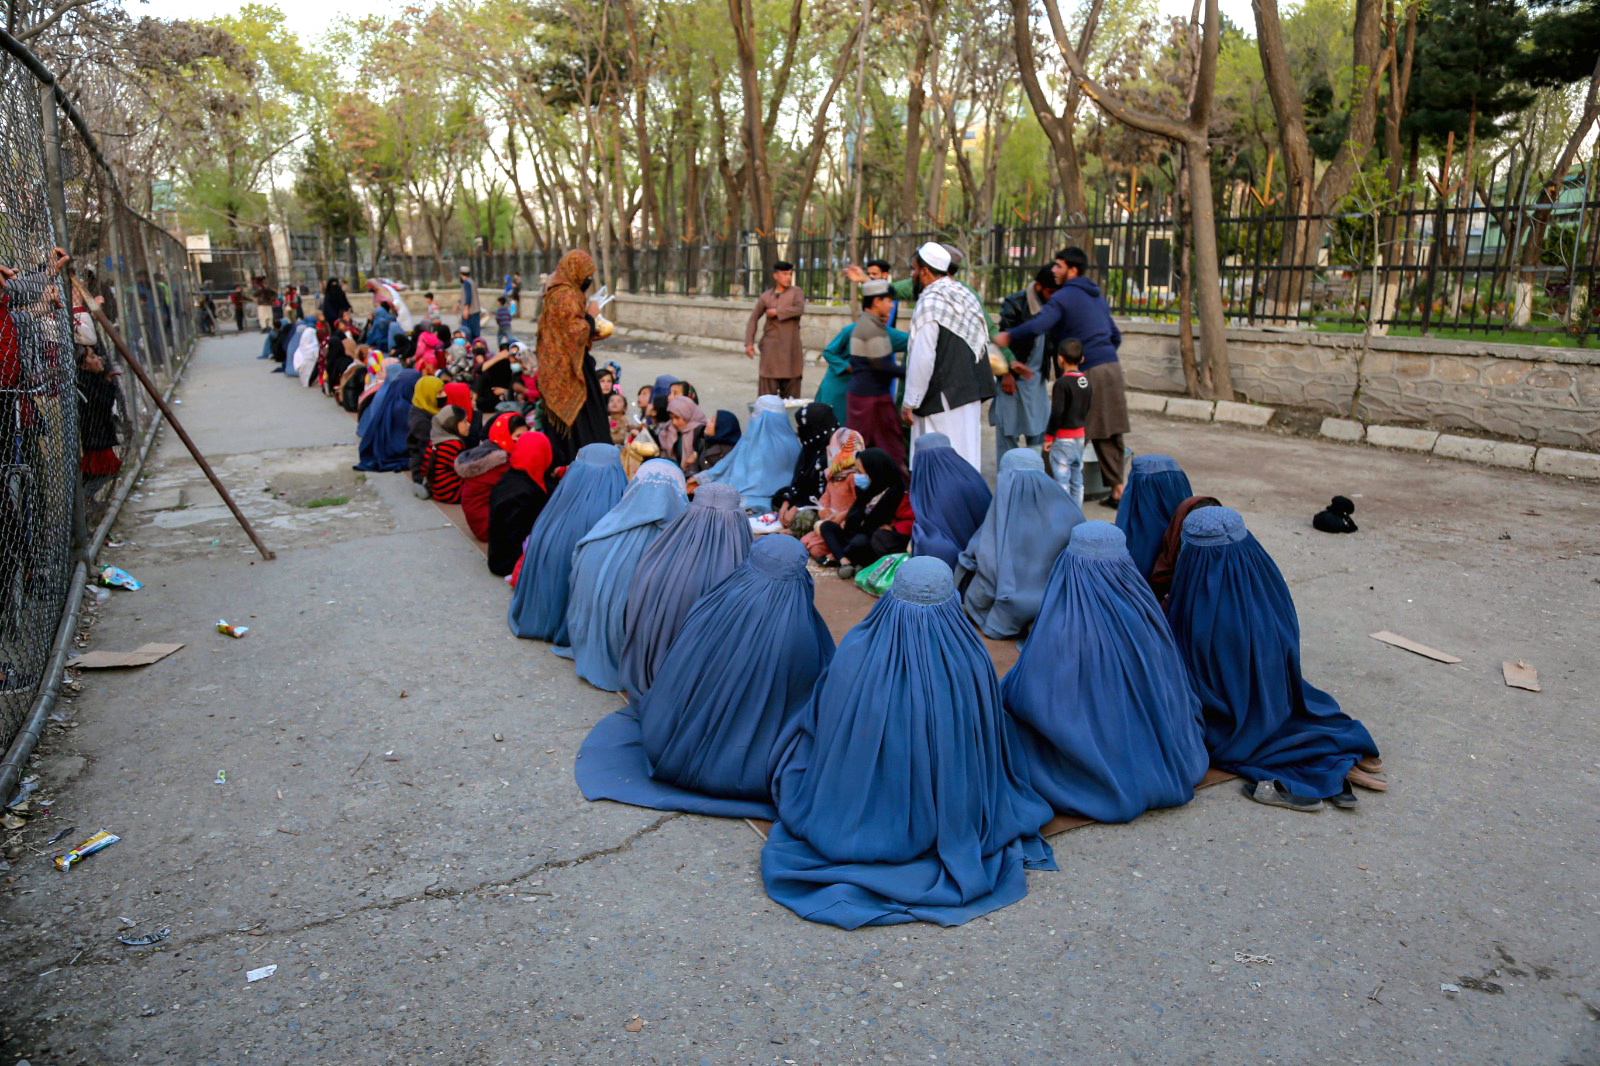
(1022, 406)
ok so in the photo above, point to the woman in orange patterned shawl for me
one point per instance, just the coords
(575, 409)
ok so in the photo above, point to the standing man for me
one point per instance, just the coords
(1078, 312)
(266, 297)
(1023, 406)
(947, 363)
(468, 306)
(236, 298)
(782, 358)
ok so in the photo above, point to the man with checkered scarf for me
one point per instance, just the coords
(947, 363)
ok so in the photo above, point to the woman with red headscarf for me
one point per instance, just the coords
(480, 469)
(517, 500)
(575, 408)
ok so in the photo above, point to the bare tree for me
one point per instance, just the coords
(1057, 127)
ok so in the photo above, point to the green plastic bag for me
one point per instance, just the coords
(877, 578)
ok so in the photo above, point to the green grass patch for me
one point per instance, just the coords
(327, 501)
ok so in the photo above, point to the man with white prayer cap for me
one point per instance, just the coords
(947, 363)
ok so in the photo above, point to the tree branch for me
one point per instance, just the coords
(1104, 98)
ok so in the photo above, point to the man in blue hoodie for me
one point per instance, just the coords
(1078, 311)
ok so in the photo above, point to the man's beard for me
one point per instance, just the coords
(916, 287)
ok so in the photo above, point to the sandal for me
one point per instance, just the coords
(1370, 781)
(1275, 795)
(1346, 800)
(1372, 764)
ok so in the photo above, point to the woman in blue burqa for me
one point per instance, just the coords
(1156, 486)
(384, 424)
(702, 546)
(603, 566)
(1235, 623)
(899, 795)
(592, 486)
(1003, 569)
(1110, 727)
(949, 498)
(764, 459)
(701, 739)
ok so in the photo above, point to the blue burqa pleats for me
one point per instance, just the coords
(592, 486)
(899, 797)
(702, 739)
(1156, 485)
(1110, 727)
(383, 444)
(949, 497)
(1005, 564)
(699, 548)
(603, 566)
(1236, 626)
(763, 460)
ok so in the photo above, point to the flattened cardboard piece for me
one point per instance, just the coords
(1407, 644)
(1520, 675)
(110, 660)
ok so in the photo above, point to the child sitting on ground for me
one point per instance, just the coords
(1069, 410)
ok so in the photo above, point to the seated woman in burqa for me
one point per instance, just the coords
(764, 459)
(899, 795)
(701, 739)
(949, 497)
(1003, 569)
(1109, 725)
(603, 567)
(1236, 626)
(699, 548)
(1156, 486)
(592, 486)
(385, 423)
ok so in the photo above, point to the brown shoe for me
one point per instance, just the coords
(1372, 764)
(1362, 779)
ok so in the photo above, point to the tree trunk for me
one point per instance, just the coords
(916, 100)
(1208, 275)
(1057, 128)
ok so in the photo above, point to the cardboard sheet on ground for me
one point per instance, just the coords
(108, 660)
(1405, 643)
(458, 518)
(1520, 675)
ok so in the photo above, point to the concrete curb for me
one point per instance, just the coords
(656, 335)
(1510, 455)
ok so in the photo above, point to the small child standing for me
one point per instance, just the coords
(502, 322)
(1069, 410)
(432, 318)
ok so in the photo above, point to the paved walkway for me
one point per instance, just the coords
(428, 892)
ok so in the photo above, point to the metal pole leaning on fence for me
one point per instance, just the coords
(166, 412)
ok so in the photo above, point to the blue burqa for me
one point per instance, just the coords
(1156, 485)
(949, 497)
(1236, 626)
(701, 740)
(763, 460)
(699, 548)
(592, 486)
(603, 566)
(383, 442)
(1110, 727)
(899, 797)
(1004, 566)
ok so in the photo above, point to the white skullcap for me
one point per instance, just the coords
(935, 255)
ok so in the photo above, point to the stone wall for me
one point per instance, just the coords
(1548, 396)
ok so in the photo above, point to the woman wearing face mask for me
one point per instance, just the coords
(575, 408)
(877, 524)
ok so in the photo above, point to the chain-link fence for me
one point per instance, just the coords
(73, 429)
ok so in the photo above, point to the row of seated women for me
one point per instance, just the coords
(904, 780)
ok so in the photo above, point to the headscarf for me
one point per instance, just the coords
(876, 504)
(684, 408)
(814, 424)
(444, 424)
(426, 394)
(459, 394)
(563, 337)
(662, 387)
(1109, 725)
(898, 791)
(842, 449)
(530, 453)
(1234, 621)
(1003, 568)
(1156, 485)
(701, 740)
(724, 430)
(500, 432)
